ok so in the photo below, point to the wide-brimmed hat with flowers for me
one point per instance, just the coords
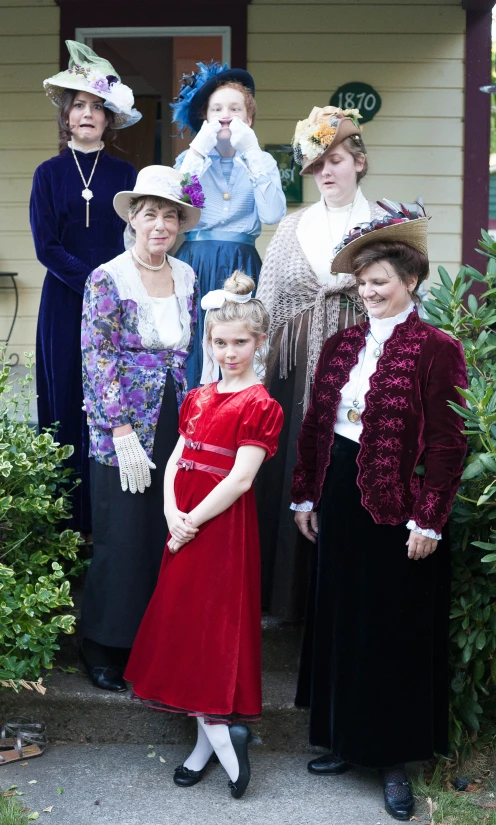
(197, 87)
(405, 222)
(169, 184)
(322, 131)
(89, 73)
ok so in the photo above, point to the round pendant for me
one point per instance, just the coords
(353, 416)
(87, 194)
(226, 196)
(377, 352)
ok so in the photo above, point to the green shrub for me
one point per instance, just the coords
(473, 520)
(36, 555)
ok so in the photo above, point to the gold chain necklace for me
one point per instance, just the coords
(87, 193)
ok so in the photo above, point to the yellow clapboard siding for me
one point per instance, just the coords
(39, 21)
(29, 302)
(365, 48)
(30, 273)
(334, 18)
(30, 106)
(27, 78)
(407, 103)
(20, 160)
(29, 49)
(17, 246)
(29, 135)
(419, 160)
(326, 77)
(14, 219)
(24, 330)
(380, 132)
(26, 4)
(16, 189)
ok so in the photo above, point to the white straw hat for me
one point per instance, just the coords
(169, 184)
(89, 73)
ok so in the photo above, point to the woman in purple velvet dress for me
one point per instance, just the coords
(75, 228)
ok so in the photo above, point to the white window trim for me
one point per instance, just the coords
(84, 35)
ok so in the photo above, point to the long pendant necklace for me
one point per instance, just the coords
(87, 193)
(353, 415)
(147, 266)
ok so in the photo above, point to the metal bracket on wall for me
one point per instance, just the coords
(14, 357)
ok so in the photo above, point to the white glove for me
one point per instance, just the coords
(243, 138)
(206, 138)
(134, 464)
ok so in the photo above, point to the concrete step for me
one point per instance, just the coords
(122, 785)
(75, 711)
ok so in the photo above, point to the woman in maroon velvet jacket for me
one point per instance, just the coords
(374, 667)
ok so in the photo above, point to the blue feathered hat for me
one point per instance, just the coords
(197, 87)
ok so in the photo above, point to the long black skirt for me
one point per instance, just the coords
(374, 665)
(129, 534)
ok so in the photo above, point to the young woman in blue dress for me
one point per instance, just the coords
(75, 228)
(241, 183)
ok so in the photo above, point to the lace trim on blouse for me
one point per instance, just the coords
(130, 288)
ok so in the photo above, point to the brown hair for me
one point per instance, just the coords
(67, 99)
(250, 102)
(356, 147)
(406, 261)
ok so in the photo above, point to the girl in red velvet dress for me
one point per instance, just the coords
(198, 648)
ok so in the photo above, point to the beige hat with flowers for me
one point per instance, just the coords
(320, 132)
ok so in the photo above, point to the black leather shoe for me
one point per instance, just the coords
(106, 678)
(327, 765)
(185, 777)
(398, 797)
(241, 736)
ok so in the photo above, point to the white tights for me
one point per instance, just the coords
(213, 738)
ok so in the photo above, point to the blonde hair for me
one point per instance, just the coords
(252, 313)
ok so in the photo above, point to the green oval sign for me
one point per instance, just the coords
(358, 96)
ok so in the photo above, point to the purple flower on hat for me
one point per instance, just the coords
(111, 79)
(100, 85)
(192, 191)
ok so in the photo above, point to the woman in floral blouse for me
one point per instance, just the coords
(139, 316)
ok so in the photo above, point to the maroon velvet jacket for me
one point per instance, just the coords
(406, 422)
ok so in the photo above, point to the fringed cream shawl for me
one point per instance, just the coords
(289, 287)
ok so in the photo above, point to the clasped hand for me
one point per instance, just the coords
(181, 529)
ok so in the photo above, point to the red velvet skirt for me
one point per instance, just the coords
(198, 649)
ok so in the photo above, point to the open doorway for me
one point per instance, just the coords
(152, 62)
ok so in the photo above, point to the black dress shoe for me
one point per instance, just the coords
(241, 736)
(327, 765)
(398, 798)
(185, 777)
(106, 678)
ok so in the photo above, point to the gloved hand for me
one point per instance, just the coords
(134, 464)
(243, 138)
(206, 138)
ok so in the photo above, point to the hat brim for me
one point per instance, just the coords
(346, 128)
(413, 233)
(55, 90)
(122, 202)
(201, 97)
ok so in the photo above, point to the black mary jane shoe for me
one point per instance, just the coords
(106, 678)
(327, 765)
(241, 736)
(186, 777)
(398, 798)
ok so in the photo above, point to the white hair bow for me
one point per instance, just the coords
(214, 300)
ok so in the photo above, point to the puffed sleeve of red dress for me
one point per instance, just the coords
(260, 425)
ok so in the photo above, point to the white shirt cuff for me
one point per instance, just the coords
(430, 534)
(304, 507)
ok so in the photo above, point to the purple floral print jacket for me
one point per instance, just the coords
(125, 364)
